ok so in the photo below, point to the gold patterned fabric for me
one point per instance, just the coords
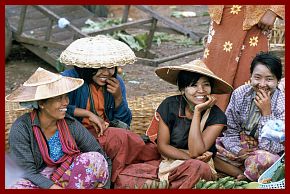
(230, 49)
(253, 13)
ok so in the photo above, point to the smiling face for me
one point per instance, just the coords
(263, 79)
(197, 93)
(102, 75)
(56, 107)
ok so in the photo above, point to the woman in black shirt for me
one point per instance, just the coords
(189, 124)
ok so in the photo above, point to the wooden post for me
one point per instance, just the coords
(125, 13)
(21, 20)
(49, 29)
(150, 36)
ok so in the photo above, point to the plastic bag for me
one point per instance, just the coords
(63, 22)
(12, 171)
(274, 130)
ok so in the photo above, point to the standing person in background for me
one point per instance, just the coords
(236, 34)
(101, 104)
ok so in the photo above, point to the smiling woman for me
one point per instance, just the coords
(54, 107)
(236, 34)
(251, 107)
(101, 104)
(189, 124)
(48, 144)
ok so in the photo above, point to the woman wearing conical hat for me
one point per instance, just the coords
(52, 148)
(189, 124)
(101, 101)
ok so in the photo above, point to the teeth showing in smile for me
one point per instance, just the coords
(63, 109)
(200, 97)
(103, 79)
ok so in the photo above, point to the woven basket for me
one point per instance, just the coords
(269, 174)
(143, 109)
(277, 41)
(12, 112)
(278, 33)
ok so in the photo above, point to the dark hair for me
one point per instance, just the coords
(272, 62)
(187, 78)
(87, 73)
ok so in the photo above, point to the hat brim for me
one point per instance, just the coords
(170, 74)
(45, 91)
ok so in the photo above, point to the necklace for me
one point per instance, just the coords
(190, 105)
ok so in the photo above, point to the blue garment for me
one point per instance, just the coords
(79, 98)
(55, 148)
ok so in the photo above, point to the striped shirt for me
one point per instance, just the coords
(237, 114)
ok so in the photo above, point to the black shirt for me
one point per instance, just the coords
(172, 112)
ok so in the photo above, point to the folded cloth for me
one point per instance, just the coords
(274, 130)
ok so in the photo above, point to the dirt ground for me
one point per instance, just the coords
(140, 79)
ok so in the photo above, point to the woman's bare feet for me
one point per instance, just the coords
(241, 177)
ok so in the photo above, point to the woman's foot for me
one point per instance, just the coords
(242, 177)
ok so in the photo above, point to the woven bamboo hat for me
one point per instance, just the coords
(44, 84)
(170, 73)
(96, 52)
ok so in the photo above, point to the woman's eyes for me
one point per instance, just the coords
(267, 79)
(205, 84)
(57, 98)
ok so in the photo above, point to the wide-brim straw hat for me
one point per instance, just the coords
(170, 73)
(96, 52)
(44, 84)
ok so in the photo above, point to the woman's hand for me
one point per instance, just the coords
(54, 186)
(211, 100)
(267, 21)
(205, 157)
(113, 87)
(98, 123)
(244, 153)
(263, 102)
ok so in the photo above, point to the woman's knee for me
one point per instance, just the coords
(193, 163)
(92, 157)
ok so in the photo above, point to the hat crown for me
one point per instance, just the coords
(170, 74)
(197, 64)
(84, 45)
(96, 52)
(41, 77)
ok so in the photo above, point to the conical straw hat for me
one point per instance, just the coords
(170, 73)
(44, 84)
(96, 52)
